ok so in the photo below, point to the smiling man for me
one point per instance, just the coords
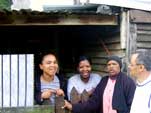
(140, 68)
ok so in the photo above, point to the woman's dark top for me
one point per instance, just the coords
(122, 96)
(37, 88)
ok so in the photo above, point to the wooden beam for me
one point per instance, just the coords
(57, 19)
(123, 29)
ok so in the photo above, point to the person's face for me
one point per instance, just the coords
(84, 68)
(49, 65)
(133, 67)
(113, 68)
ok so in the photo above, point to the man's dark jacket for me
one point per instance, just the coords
(122, 96)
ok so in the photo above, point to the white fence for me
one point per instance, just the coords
(16, 80)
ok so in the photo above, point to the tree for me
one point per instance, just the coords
(5, 4)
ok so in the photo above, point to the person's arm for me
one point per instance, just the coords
(92, 105)
(38, 99)
(37, 91)
(90, 92)
(63, 84)
(130, 90)
(149, 104)
(59, 92)
(41, 96)
(46, 94)
(96, 80)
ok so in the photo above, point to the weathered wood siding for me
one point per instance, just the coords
(132, 40)
(99, 49)
(140, 37)
(143, 36)
(140, 30)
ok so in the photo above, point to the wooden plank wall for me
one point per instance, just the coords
(143, 36)
(16, 80)
(98, 51)
(132, 40)
(140, 30)
(140, 37)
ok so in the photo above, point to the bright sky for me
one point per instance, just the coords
(38, 4)
(135, 4)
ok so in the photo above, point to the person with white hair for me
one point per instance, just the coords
(140, 68)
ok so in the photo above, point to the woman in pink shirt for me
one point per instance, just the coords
(114, 93)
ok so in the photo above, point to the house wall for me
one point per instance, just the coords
(143, 36)
(68, 42)
(140, 37)
(101, 48)
(140, 30)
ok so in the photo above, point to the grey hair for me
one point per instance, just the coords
(144, 57)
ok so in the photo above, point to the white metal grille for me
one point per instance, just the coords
(16, 80)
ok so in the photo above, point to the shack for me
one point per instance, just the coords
(96, 31)
(69, 33)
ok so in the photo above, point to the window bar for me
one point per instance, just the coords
(10, 82)
(25, 80)
(2, 78)
(17, 80)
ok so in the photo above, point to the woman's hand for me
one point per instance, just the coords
(91, 91)
(47, 93)
(67, 105)
(59, 92)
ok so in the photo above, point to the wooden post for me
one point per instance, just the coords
(59, 102)
(84, 96)
(74, 96)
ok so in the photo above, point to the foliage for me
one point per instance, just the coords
(5, 4)
(48, 110)
(39, 109)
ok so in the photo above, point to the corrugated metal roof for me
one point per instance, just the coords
(75, 9)
(91, 15)
(70, 8)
